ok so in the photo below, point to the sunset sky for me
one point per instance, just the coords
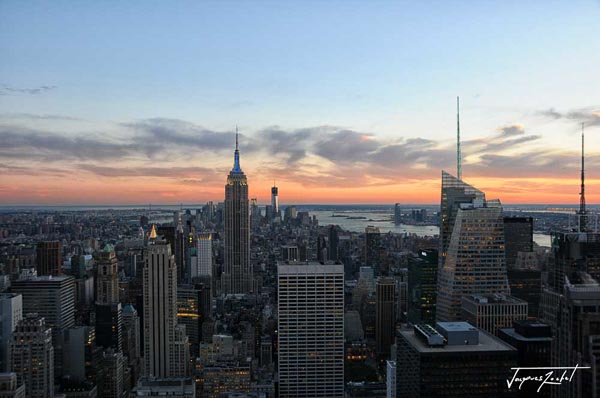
(337, 101)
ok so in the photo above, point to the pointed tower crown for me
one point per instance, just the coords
(236, 156)
(153, 234)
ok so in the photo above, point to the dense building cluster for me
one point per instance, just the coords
(235, 299)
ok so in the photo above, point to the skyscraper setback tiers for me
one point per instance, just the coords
(237, 272)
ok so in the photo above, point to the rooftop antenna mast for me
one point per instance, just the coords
(458, 157)
(582, 210)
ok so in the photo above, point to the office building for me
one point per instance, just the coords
(454, 359)
(311, 330)
(533, 341)
(224, 379)
(397, 214)
(32, 356)
(189, 301)
(390, 379)
(109, 326)
(422, 286)
(171, 387)
(237, 273)
(10, 387)
(373, 249)
(107, 276)
(385, 315)
(163, 356)
(49, 258)
(334, 242)
(492, 312)
(205, 255)
(274, 202)
(131, 340)
(80, 353)
(110, 374)
(53, 298)
(11, 312)
(474, 257)
(454, 193)
(518, 237)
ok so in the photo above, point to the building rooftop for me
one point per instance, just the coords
(309, 267)
(493, 299)
(487, 342)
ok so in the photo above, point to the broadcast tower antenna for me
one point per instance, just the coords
(458, 160)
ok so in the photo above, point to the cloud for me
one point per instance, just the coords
(346, 146)
(589, 115)
(199, 174)
(8, 90)
(19, 142)
(33, 116)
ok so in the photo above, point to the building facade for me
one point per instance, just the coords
(311, 330)
(237, 273)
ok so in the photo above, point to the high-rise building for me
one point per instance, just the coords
(11, 312)
(491, 312)
(162, 350)
(205, 255)
(290, 213)
(110, 374)
(32, 356)
(80, 353)
(107, 276)
(49, 258)
(526, 284)
(237, 273)
(456, 360)
(397, 214)
(275, 202)
(518, 237)
(109, 326)
(189, 313)
(454, 193)
(373, 249)
(53, 298)
(131, 340)
(255, 216)
(10, 387)
(422, 286)
(474, 257)
(533, 341)
(385, 315)
(171, 387)
(180, 248)
(390, 379)
(311, 330)
(334, 241)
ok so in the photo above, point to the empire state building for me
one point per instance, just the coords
(237, 274)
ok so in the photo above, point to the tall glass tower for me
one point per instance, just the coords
(472, 247)
(237, 274)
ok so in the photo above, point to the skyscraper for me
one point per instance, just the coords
(518, 236)
(49, 258)
(162, 353)
(32, 356)
(385, 315)
(53, 298)
(474, 255)
(275, 202)
(11, 312)
(205, 254)
(311, 330)
(422, 286)
(107, 276)
(454, 193)
(237, 273)
(372, 249)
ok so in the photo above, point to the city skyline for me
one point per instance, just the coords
(356, 114)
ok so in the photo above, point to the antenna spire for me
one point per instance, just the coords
(582, 210)
(236, 155)
(458, 157)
